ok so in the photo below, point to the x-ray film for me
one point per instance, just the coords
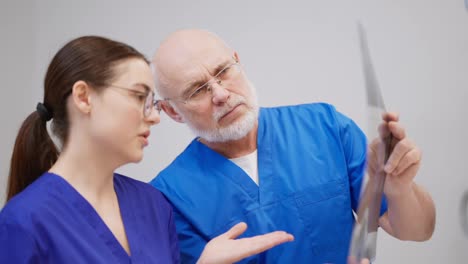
(364, 236)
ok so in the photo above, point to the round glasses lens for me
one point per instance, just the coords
(148, 104)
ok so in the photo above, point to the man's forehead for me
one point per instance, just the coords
(186, 54)
(192, 62)
(190, 55)
(190, 45)
(195, 68)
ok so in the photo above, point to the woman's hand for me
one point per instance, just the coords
(225, 248)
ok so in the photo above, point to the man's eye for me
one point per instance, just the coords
(200, 91)
(225, 73)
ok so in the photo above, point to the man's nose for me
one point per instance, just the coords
(219, 93)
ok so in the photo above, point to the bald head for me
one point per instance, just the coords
(183, 53)
(205, 87)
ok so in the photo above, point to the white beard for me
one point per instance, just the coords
(235, 130)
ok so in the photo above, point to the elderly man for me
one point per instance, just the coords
(293, 168)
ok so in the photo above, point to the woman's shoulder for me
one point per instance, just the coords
(136, 187)
(128, 182)
(29, 203)
(139, 194)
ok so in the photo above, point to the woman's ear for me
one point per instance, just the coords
(171, 112)
(81, 94)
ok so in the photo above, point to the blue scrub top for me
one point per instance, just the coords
(311, 161)
(50, 222)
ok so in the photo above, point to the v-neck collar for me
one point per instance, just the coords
(260, 193)
(218, 164)
(96, 222)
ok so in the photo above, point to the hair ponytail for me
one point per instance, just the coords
(90, 59)
(33, 154)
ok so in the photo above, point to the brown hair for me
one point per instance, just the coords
(90, 59)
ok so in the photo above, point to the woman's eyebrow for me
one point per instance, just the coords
(144, 86)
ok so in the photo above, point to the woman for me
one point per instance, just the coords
(69, 205)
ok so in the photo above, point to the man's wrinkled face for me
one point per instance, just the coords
(226, 107)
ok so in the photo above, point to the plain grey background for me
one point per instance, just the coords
(294, 52)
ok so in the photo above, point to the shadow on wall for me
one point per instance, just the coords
(464, 209)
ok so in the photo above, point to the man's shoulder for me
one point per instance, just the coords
(184, 163)
(313, 105)
(309, 113)
(313, 108)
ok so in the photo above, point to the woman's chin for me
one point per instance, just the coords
(136, 157)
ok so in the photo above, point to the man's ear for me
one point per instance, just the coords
(81, 94)
(171, 112)
(236, 56)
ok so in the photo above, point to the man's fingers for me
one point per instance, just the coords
(236, 231)
(383, 130)
(399, 151)
(390, 116)
(411, 170)
(411, 158)
(374, 162)
(397, 130)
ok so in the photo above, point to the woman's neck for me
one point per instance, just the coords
(88, 171)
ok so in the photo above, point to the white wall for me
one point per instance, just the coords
(294, 52)
(16, 65)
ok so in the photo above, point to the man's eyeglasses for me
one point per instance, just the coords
(203, 92)
(148, 97)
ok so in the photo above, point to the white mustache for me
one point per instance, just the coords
(234, 100)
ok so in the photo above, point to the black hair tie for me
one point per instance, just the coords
(44, 113)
